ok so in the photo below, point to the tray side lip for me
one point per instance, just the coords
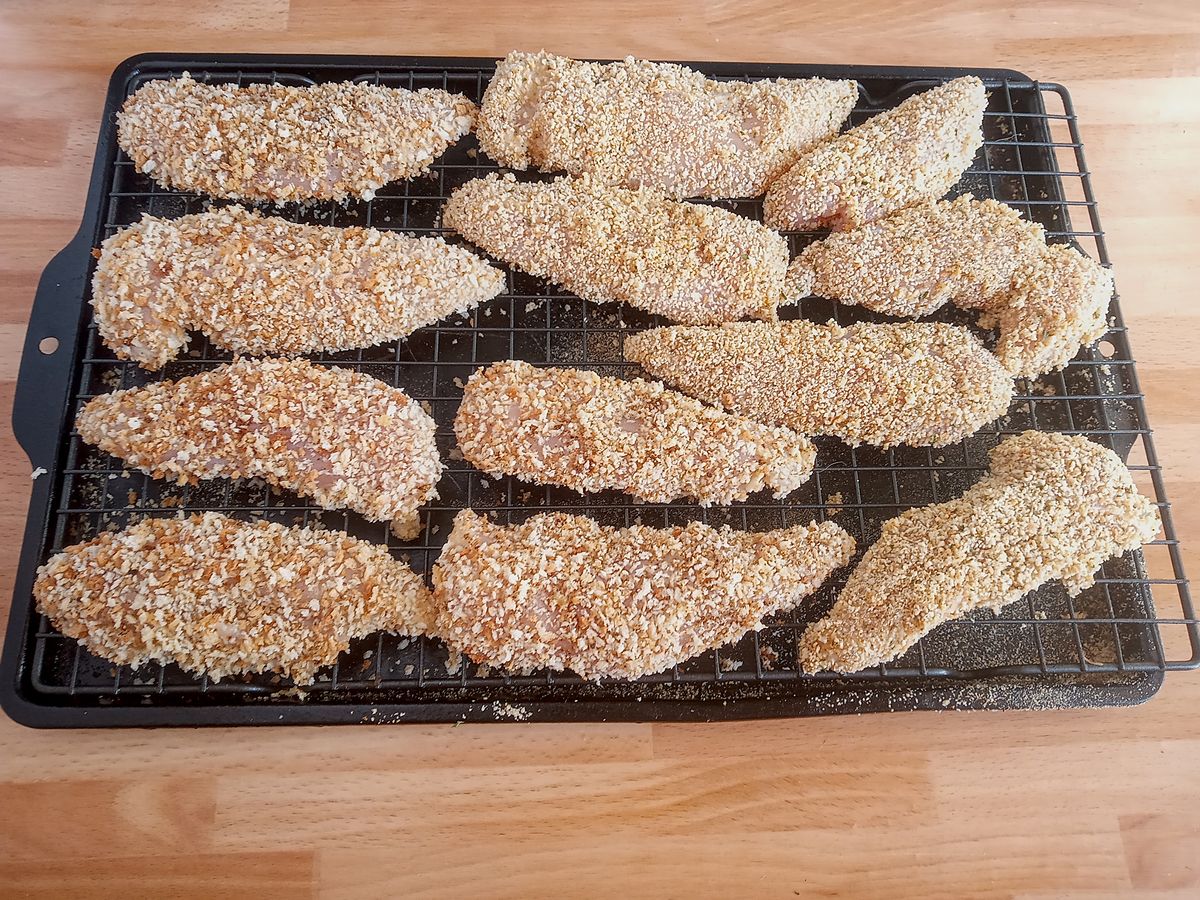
(48, 300)
(29, 712)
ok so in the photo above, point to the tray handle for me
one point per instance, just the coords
(51, 342)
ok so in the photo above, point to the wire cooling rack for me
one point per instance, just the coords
(1109, 645)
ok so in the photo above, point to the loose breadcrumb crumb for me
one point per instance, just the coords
(917, 383)
(659, 125)
(564, 592)
(219, 596)
(345, 439)
(1053, 506)
(688, 262)
(275, 142)
(589, 433)
(263, 285)
(914, 152)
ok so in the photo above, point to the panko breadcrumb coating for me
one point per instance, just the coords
(914, 152)
(917, 259)
(688, 262)
(220, 597)
(344, 439)
(1059, 303)
(575, 428)
(265, 286)
(1053, 506)
(980, 254)
(274, 142)
(564, 592)
(917, 383)
(658, 125)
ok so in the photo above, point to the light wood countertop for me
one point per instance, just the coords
(1085, 804)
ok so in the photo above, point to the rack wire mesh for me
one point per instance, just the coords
(1137, 618)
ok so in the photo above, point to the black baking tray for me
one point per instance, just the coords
(1110, 646)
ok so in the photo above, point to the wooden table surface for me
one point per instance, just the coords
(1083, 804)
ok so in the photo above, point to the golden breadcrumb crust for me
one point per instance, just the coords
(266, 286)
(575, 428)
(1053, 506)
(345, 439)
(275, 142)
(918, 383)
(980, 254)
(658, 125)
(564, 592)
(220, 597)
(689, 262)
(914, 152)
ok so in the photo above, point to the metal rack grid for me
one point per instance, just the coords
(1031, 159)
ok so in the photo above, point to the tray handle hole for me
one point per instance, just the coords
(48, 345)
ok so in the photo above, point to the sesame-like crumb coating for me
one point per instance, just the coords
(564, 592)
(917, 383)
(915, 260)
(344, 439)
(1045, 301)
(689, 262)
(1059, 302)
(1053, 506)
(659, 125)
(265, 286)
(914, 152)
(219, 596)
(274, 142)
(589, 433)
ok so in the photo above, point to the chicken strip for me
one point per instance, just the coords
(979, 254)
(262, 285)
(344, 439)
(914, 152)
(563, 592)
(275, 142)
(920, 383)
(690, 263)
(1059, 303)
(658, 125)
(580, 430)
(1053, 506)
(219, 597)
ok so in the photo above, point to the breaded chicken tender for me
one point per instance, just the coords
(589, 433)
(262, 285)
(346, 440)
(658, 125)
(920, 383)
(691, 263)
(274, 142)
(564, 592)
(220, 597)
(979, 254)
(899, 157)
(1053, 506)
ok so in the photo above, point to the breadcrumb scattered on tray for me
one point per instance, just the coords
(564, 592)
(589, 433)
(345, 439)
(659, 125)
(1053, 506)
(917, 383)
(686, 261)
(916, 151)
(278, 142)
(266, 286)
(220, 596)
